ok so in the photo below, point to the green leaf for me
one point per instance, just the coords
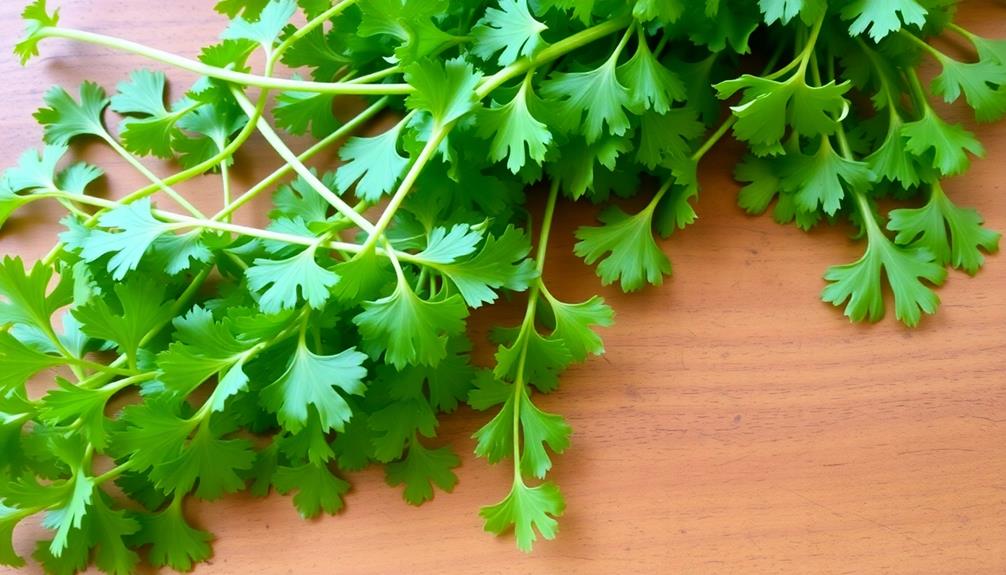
(310, 380)
(412, 23)
(288, 280)
(173, 542)
(763, 184)
(501, 263)
(372, 163)
(651, 85)
(510, 29)
(36, 170)
(540, 429)
(265, 29)
(409, 329)
(107, 528)
(513, 126)
(317, 489)
(36, 17)
(983, 84)
(69, 402)
(573, 323)
(78, 495)
(138, 230)
(140, 309)
(526, 509)
(634, 258)
(296, 112)
(881, 17)
(421, 469)
(663, 10)
(927, 226)
(151, 433)
(66, 119)
(891, 161)
(768, 106)
(822, 178)
(445, 247)
(9, 518)
(597, 93)
(785, 10)
(950, 144)
(20, 363)
(397, 423)
(204, 348)
(446, 91)
(153, 131)
(250, 8)
(29, 301)
(213, 462)
(526, 355)
(860, 281)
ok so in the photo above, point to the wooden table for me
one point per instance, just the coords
(736, 424)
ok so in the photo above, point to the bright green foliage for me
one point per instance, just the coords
(927, 226)
(421, 469)
(511, 30)
(410, 329)
(942, 145)
(881, 17)
(249, 346)
(66, 118)
(289, 280)
(372, 163)
(633, 259)
(310, 381)
(526, 509)
(515, 131)
(317, 489)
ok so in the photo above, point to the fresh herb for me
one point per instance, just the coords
(330, 340)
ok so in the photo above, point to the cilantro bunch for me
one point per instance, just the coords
(334, 337)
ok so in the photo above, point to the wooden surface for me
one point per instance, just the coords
(736, 424)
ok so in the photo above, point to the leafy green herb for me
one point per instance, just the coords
(338, 338)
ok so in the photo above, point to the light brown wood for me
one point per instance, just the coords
(736, 424)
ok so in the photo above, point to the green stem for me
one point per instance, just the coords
(152, 177)
(714, 139)
(314, 23)
(224, 74)
(289, 157)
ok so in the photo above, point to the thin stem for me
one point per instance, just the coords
(152, 177)
(288, 156)
(224, 74)
(714, 138)
(306, 155)
(226, 184)
(314, 23)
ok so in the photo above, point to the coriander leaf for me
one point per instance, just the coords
(36, 170)
(446, 384)
(9, 201)
(927, 227)
(821, 178)
(286, 281)
(140, 309)
(540, 429)
(410, 22)
(250, 8)
(138, 230)
(173, 542)
(510, 28)
(295, 112)
(890, 160)
(36, 17)
(20, 363)
(768, 106)
(66, 119)
(151, 433)
(175, 253)
(9, 518)
(573, 322)
(763, 183)
(69, 402)
(107, 528)
(421, 469)
(882, 17)
(445, 247)
(598, 93)
(582, 9)
(319, 51)
(310, 380)
(372, 163)
(410, 329)
(76, 178)
(950, 144)
(317, 489)
(543, 357)
(983, 84)
(266, 28)
(512, 126)
(860, 283)
(397, 423)
(203, 348)
(785, 10)
(78, 493)
(526, 509)
(29, 301)
(662, 10)
(154, 130)
(651, 85)
(577, 167)
(634, 256)
(446, 91)
(502, 262)
(214, 124)
(362, 277)
(211, 461)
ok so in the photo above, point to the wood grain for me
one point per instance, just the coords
(736, 424)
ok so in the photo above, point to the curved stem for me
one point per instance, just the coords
(223, 73)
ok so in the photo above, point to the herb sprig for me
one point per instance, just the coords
(330, 340)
